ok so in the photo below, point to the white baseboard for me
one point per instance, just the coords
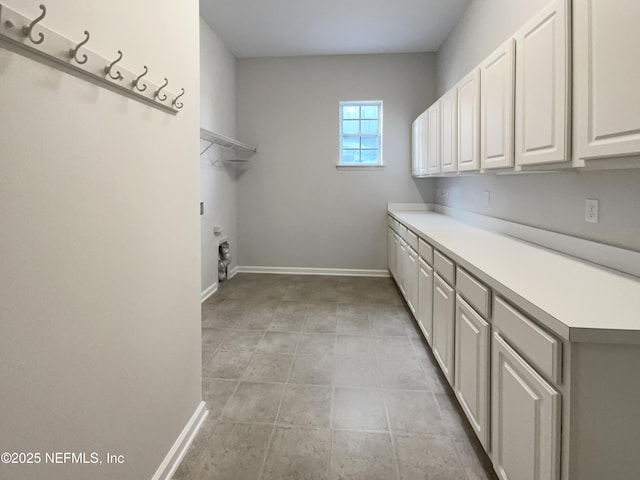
(180, 447)
(234, 271)
(342, 272)
(208, 292)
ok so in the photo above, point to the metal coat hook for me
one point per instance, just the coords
(108, 68)
(137, 80)
(73, 53)
(177, 104)
(157, 94)
(28, 29)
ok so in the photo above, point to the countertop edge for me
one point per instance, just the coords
(555, 325)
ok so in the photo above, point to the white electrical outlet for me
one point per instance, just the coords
(487, 198)
(591, 210)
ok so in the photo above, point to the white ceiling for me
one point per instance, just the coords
(273, 28)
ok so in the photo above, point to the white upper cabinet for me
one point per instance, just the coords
(469, 122)
(419, 147)
(607, 78)
(433, 139)
(497, 108)
(449, 131)
(415, 147)
(542, 87)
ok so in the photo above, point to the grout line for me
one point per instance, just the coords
(386, 411)
(275, 420)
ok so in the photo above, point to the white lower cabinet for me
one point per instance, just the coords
(525, 418)
(443, 325)
(391, 251)
(401, 251)
(472, 361)
(411, 279)
(425, 300)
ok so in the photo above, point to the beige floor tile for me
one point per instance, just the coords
(358, 409)
(362, 456)
(308, 405)
(354, 325)
(356, 372)
(427, 458)
(476, 462)
(240, 340)
(298, 453)
(405, 374)
(216, 394)
(234, 452)
(189, 465)
(318, 345)
(227, 364)
(212, 337)
(278, 342)
(268, 367)
(254, 402)
(355, 346)
(452, 415)
(312, 370)
(414, 412)
(320, 323)
(393, 348)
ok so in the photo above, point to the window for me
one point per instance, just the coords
(360, 134)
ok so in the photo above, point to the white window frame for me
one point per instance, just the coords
(379, 135)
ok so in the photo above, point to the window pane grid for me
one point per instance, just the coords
(360, 132)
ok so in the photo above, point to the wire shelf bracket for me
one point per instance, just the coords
(233, 150)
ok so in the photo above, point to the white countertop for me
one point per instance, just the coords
(579, 301)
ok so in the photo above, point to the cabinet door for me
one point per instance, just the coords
(542, 87)
(415, 148)
(606, 78)
(443, 326)
(433, 139)
(401, 253)
(449, 131)
(472, 362)
(525, 418)
(418, 147)
(411, 278)
(425, 300)
(391, 251)
(469, 122)
(497, 77)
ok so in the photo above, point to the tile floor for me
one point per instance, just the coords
(313, 378)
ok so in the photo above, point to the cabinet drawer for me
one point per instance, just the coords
(402, 231)
(445, 267)
(390, 221)
(412, 240)
(473, 292)
(537, 346)
(426, 251)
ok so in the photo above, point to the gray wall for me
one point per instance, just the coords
(295, 209)
(217, 180)
(99, 250)
(554, 201)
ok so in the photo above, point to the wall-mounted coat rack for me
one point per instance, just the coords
(28, 35)
(234, 151)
